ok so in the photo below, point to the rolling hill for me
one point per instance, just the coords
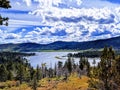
(61, 45)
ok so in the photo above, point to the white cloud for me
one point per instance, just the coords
(62, 20)
(28, 2)
(6, 37)
(97, 16)
(50, 3)
(12, 36)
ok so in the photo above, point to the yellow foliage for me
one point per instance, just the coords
(7, 84)
(73, 83)
(11, 85)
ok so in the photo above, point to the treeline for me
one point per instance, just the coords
(13, 66)
(16, 54)
(90, 54)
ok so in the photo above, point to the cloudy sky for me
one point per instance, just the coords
(46, 21)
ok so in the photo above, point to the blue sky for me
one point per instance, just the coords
(46, 21)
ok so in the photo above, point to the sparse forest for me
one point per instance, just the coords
(16, 72)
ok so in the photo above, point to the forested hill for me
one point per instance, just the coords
(61, 45)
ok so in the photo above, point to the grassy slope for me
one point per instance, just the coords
(73, 83)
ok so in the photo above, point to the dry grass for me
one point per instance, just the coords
(14, 87)
(73, 83)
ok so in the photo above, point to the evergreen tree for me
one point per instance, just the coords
(32, 72)
(107, 58)
(50, 72)
(55, 69)
(34, 82)
(104, 71)
(3, 73)
(27, 76)
(81, 63)
(4, 4)
(10, 65)
(10, 75)
(88, 67)
(69, 65)
(60, 64)
(43, 70)
(20, 73)
(38, 73)
(66, 70)
(117, 70)
(13, 66)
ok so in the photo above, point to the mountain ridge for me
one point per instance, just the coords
(62, 45)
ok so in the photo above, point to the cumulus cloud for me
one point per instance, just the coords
(77, 19)
(12, 36)
(79, 22)
(47, 21)
(50, 3)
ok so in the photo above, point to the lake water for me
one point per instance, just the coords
(50, 58)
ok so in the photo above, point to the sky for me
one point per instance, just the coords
(47, 21)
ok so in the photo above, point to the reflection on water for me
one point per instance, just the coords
(50, 58)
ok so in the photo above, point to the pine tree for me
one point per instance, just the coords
(50, 72)
(55, 70)
(69, 65)
(3, 73)
(20, 73)
(27, 76)
(38, 74)
(32, 72)
(10, 75)
(107, 58)
(66, 69)
(117, 70)
(81, 63)
(34, 82)
(43, 70)
(4, 4)
(60, 64)
(88, 67)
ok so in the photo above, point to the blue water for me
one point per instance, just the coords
(50, 58)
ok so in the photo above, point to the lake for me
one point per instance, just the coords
(50, 58)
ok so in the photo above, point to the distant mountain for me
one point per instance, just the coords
(61, 45)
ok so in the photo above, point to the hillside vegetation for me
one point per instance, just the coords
(18, 74)
(73, 83)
